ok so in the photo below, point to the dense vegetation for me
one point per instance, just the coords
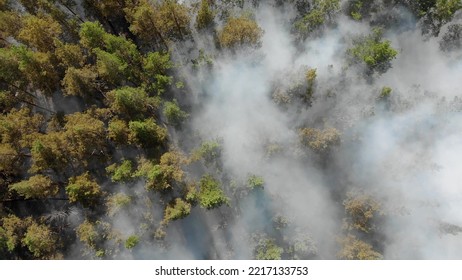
(99, 153)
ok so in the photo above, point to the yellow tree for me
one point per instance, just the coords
(240, 31)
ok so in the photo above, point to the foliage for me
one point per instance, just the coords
(177, 209)
(40, 241)
(361, 210)
(39, 32)
(255, 182)
(117, 202)
(210, 193)
(322, 11)
(373, 52)
(131, 241)
(147, 133)
(122, 172)
(83, 189)
(355, 249)
(175, 116)
(320, 141)
(79, 81)
(118, 131)
(445, 9)
(239, 32)
(209, 151)
(38, 186)
(267, 249)
(205, 16)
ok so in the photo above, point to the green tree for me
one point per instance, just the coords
(172, 19)
(210, 193)
(156, 66)
(37, 186)
(118, 131)
(362, 210)
(205, 16)
(267, 249)
(131, 241)
(355, 249)
(175, 116)
(445, 9)
(117, 202)
(147, 133)
(320, 141)
(79, 81)
(122, 172)
(176, 209)
(372, 52)
(19, 127)
(14, 230)
(83, 189)
(323, 11)
(166, 174)
(240, 31)
(38, 69)
(143, 22)
(40, 241)
(85, 137)
(40, 32)
(70, 55)
(132, 103)
(92, 35)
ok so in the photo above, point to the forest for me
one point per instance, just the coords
(233, 129)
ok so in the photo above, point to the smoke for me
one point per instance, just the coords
(403, 151)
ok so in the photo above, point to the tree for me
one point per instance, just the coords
(10, 25)
(19, 127)
(362, 210)
(205, 16)
(70, 55)
(37, 186)
(209, 152)
(147, 133)
(118, 131)
(131, 103)
(355, 249)
(38, 69)
(255, 182)
(92, 35)
(176, 209)
(49, 152)
(14, 230)
(120, 173)
(85, 137)
(166, 174)
(83, 189)
(172, 19)
(155, 67)
(372, 52)
(445, 9)
(88, 234)
(322, 12)
(175, 116)
(320, 141)
(143, 20)
(40, 241)
(117, 202)
(210, 193)
(79, 81)
(239, 32)
(267, 249)
(40, 32)
(131, 241)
